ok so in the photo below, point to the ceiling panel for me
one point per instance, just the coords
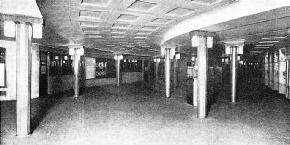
(142, 6)
(180, 12)
(96, 23)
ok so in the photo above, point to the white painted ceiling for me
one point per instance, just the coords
(138, 27)
(119, 26)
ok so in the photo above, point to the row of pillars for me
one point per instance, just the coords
(200, 86)
(23, 47)
(200, 83)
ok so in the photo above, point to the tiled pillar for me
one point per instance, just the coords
(233, 74)
(149, 71)
(202, 67)
(23, 75)
(287, 79)
(118, 58)
(175, 72)
(143, 69)
(156, 69)
(272, 70)
(77, 51)
(236, 47)
(118, 71)
(76, 73)
(200, 40)
(167, 72)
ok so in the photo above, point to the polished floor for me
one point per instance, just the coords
(136, 114)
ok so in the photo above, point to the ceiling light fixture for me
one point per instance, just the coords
(266, 45)
(118, 36)
(260, 47)
(269, 38)
(139, 37)
(268, 41)
(94, 36)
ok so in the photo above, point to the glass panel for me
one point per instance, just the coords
(2, 67)
(105, 68)
(2, 70)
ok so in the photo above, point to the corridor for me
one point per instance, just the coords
(138, 114)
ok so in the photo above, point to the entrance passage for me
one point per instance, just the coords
(43, 74)
(139, 114)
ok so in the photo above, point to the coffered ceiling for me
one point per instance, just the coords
(138, 27)
(119, 26)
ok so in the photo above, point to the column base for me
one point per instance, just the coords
(202, 117)
(23, 135)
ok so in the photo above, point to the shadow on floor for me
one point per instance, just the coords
(41, 106)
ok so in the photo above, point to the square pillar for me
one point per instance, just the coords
(175, 72)
(233, 73)
(76, 63)
(118, 72)
(236, 47)
(143, 69)
(157, 60)
(200, 40)
(118, 58)
(167, 72)
(77, 52)
(23, 78)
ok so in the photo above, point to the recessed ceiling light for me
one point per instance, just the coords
(118, 36)
(94, 36)
(139, 37)
(143, 33)
(89, 24)
(140, 42)
(270, 38)
(260, 47)
(265, 45)
(268, 41)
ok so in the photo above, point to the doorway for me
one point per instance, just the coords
(43, 74)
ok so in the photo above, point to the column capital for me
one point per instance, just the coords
(21, 18)
(235, 43)
(75, 46)
(202, 33)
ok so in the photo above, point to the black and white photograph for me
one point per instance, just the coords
(145, 72)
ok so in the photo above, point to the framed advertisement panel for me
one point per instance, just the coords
(90, 67)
